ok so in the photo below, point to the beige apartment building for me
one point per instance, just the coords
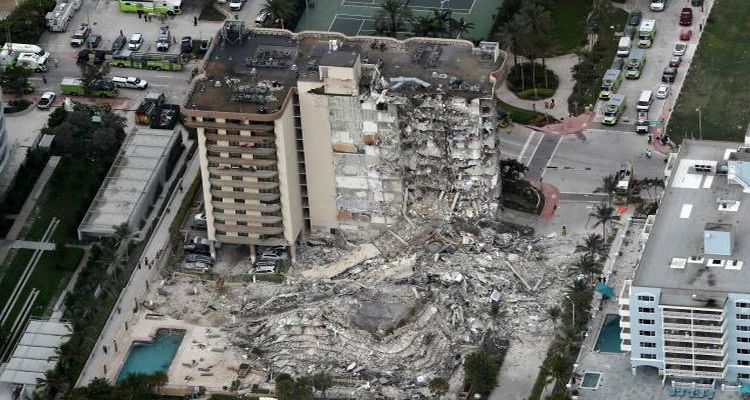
(319, 132)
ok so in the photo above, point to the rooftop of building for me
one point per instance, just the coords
(128, 180)
(36, 352)
(698, 200)
(253, 70)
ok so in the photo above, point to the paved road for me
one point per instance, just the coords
(542, 155)
(137, 286)
(583, 197)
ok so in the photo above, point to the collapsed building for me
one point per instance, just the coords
(313, 132)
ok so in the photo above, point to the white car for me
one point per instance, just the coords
(657, 5)
(235, 5)
(129, 82)
(662, 92)
(45, 102)
(136, 40)
(679, 49)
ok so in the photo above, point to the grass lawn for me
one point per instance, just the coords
(569, 19)
(523, 116)
(717, 79)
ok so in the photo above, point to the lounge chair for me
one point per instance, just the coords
(672, 391)
(711, 394)
(680, 392)
(691, 393)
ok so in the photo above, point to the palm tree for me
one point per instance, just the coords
(462, 27)
(510, 36)
(609, 184)
(392, 17)
(439, 386)
(554, 313)
(424, 25)
(279, 10)
(592, 244)
(603, 214)
(587, 264)
(536, 22)
(556, 369)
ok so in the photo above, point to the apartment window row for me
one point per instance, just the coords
(743, 362)
(645, 298)
(744, 328)
(647, 333)
(646, 310)
(648, 344)
(743, 316)
(742, 339)
(743, 376)
(646, 321)
(648, 356)
(742, 304)
(743, 351)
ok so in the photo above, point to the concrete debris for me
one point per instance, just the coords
(383, 314)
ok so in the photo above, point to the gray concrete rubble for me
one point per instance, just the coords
(407, 308)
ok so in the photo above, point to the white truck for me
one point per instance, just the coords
(28, 55)
(59, 18)
(657, 5)
(18, 48)
(32, 61)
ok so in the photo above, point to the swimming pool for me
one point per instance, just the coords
(609, 336)
(590, 380)
(153, 356)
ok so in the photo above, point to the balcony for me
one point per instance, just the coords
(246, 206)
(244, 184)
(246, 195)
(689, 373)
(625, 323)
(240, 138)
(242, 161)
(693, 327)
(250, 229)
(228, 171)
(624, 311)
(693, 350)
(624, 298)
(251, 240)
(694, 339)
(625, 334)
(692, 315)
(256, 151)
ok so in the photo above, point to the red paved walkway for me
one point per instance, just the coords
(551, 198)
(568, 125)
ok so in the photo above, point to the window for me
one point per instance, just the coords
(743, 316)
(648, 356)
(645, 298)
(743, 339)
(743, 376)
(646, 321)
(648, 310)
(648, 344)
(742, 304)
(743, 328)
(648, 333)
(743, 351)
(743, 362)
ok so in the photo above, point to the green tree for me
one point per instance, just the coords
(393, 17)
(604, 214)
(536, 22)
(556, 369)
(279, 10)
(481, 373)
(439, 386)
(90, 73)
(587, 264)
(461, 27)
(288, 388)
(322, 381)
(510, 36)
(609, 184)
(15, 79)
(554, 313)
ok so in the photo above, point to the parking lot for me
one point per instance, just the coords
(657, 57)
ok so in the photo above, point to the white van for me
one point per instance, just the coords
(644, 101)
(623, 48)
(129, 82)
(261, 18)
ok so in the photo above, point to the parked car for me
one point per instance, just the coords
(634, 19)
(191, 258)
(679, 49)
(669, 74)
(642, 125)
(662, 92)
(696, 3)
(186, 44)
(265, 268)
(686, 16)
(136, 41)
(78, 38)
(199, 221)
(164, 40)
(45, 102)
(119, 43)
(93, 41)
(685, 35)
(235, 5)
(83, 56)
(197, 266)
(618, 63)
(129, 82)
(675, 61)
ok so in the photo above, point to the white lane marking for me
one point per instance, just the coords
(535, 149)
(525, 146)
(551, 156)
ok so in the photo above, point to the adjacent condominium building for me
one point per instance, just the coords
(319, 131)
(687, 310)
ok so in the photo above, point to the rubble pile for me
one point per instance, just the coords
(411, 310)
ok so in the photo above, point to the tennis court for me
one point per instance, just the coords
(357, 17)
(458, 6)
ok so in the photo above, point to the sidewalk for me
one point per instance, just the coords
(562, 66)
(569, 125)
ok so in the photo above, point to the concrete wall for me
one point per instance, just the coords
(205, 183)
(733, 330)
(637, 350)
(289, 183)
(319, 167)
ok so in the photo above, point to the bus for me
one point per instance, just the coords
(636, 61)
(155, 61)
(169, 7)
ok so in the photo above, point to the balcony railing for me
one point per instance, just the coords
(694, 339)
(693, 350)
(688, 373)
(694, 327)
(692, 315)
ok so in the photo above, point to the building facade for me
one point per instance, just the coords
(687, 310)
(4, 142)
(319, 132)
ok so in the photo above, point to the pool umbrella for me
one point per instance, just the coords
(745, 389)
(606, 291)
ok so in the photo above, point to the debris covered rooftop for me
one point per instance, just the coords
(253, 71)
(698, 243)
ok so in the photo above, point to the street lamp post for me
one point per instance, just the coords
(574, 310)
(700, 123)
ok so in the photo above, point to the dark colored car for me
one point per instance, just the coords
(119, 43)
(634, 19)
(696, 3)
(83, 56)
(669, 74)
(630, 31)
(99, 57)
(93, 41)
(186, 44)
(618, 63)
(686, 16)
(675, 61)
(205, 45)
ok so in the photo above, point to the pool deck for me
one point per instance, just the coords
(196, 345)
